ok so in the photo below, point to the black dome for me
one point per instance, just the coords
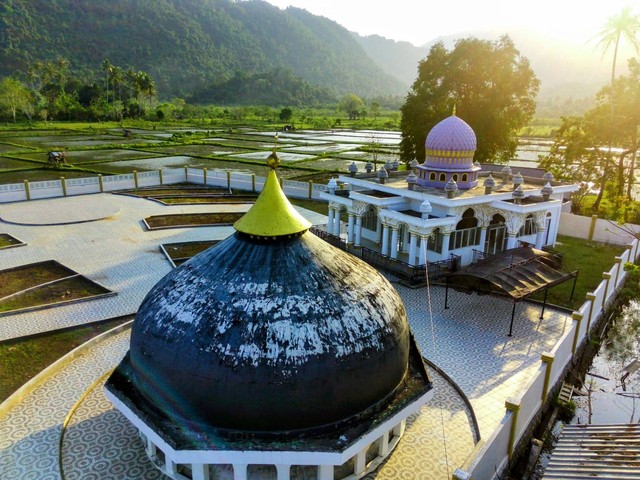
(272, 335)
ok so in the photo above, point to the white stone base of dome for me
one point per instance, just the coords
(365, 454)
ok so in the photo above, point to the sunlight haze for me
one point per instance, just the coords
(419, 22)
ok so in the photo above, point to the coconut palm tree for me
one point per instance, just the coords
(107, 66)
(625, 25)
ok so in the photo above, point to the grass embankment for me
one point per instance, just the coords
(591, 259)
(30, 286)
(23, 358)
(7, 240)
(192, 220)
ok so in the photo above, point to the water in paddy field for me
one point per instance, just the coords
(613, 380)
(608, 399)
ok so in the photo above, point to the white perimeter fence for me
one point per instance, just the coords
(492, 456)
(109, 183)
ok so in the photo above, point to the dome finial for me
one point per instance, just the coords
(454, 110)
(272, 215)
(273, 160)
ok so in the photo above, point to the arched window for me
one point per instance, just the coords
(434, 241)
(455, 177)
(432, 176)
(443, 177)
(467, 232)
(370, 219)
(529, 226)
(465, 177)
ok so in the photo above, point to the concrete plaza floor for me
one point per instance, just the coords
(468, 342)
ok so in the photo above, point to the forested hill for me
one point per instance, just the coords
(188, 44)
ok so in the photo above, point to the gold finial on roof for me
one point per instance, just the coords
(454, 109)
(272, 215)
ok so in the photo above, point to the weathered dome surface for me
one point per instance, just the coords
(270, 336)
(451, 135)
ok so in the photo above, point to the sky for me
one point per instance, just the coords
(420, 21)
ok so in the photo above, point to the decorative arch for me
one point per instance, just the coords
(529, 226)
(432, 176)
(370, 218)
(467, 232)
(443, 177)
(434, 241)
(465, 177)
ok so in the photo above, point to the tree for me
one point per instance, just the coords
(582, 146)
(375, 110)
(352, 105)
(491, 85)
(285, 114)
(14, 96)
(623, 25)
(107, 66)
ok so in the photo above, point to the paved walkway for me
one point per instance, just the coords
(470, 345)
(99, 443)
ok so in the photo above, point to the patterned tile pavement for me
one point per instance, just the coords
(471, 345)
(99, 443)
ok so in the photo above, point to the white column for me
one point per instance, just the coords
(284, 472)
(394, 242)
(350, 227)
(405, 240)
(360, 462)
(378, 229)
(413, 244)
(483, 237)
(239, 471)
(385, 240)
(325, 472)
(445, 245)
(398, 430)
(200, 471)
(336, 229)
(423, 250)
(330, 221)
(511, 240)
(151, 448)
(383, 446)
(358, 230)
(540, 234)
(170, 467)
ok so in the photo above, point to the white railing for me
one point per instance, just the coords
(216, 178)
(490, 461)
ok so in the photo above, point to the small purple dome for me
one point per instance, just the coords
(451, 134)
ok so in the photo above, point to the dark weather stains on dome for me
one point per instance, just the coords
(271, 330)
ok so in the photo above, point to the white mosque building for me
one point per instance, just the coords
(441, 204)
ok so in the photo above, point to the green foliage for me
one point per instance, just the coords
(352, 105)
(490, 83)
(581, 149)
(566, 410)
(186, 44)
(275, 88)
(285, 114)
(15, 98)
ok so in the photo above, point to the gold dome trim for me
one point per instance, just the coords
(272, 215)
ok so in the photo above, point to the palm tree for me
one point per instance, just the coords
(107, 67)
(623, 25)
(147, 86)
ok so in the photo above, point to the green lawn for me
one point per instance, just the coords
(591, 259)
(24, 358)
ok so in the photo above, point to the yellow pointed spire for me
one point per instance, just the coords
(272, 215)
(454, 109)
